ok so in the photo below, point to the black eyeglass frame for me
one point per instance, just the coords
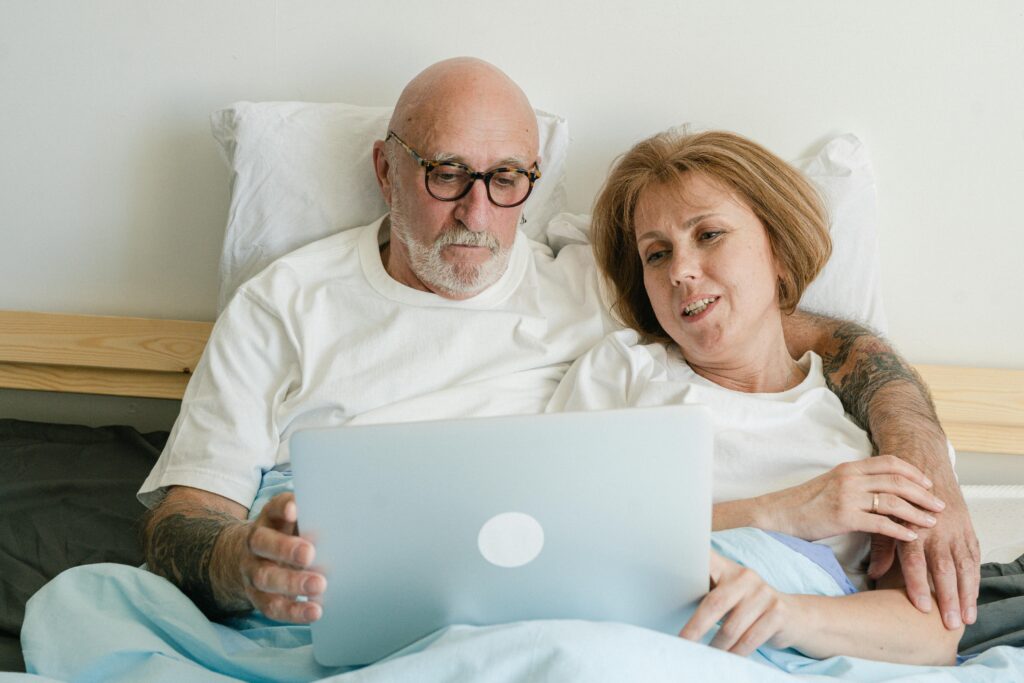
(533, 175)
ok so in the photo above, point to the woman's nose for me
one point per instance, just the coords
(685, 266)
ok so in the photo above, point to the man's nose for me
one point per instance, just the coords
(474, 210)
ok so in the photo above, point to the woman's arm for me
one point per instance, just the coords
(880, 625)
(841, 501)
(884, 394)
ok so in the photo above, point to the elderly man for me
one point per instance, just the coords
(443, 309)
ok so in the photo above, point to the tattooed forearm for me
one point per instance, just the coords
(180, 548)
(859, 365)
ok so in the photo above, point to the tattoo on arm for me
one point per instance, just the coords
(861, 364)
(180, 549)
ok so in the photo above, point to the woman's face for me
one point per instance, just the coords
(708, 269)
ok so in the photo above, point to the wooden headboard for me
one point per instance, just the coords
(981, 409)
(98, 354)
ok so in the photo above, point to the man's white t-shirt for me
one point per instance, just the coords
(763, 442)
(325, 337)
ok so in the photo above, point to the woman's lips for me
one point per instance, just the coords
(699, 307)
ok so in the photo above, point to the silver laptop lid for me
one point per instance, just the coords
(603, 515)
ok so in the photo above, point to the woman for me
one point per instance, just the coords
(707, 241)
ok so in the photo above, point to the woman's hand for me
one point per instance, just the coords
(872, 495)
(865, 624)
(752, 612)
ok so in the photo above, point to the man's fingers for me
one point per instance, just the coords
(915, 574)
(955, 574)
(273, 578)
(883, 554)
(280, 547)
(281, 512)
(286, 609)
(968, 577)
(947, 595)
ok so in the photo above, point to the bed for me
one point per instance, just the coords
(53, 520)
(71, 497)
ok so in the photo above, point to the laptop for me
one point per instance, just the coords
(602, 515)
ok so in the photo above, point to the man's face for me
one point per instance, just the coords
(455, 248)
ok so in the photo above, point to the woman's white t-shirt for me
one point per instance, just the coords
(763, 442)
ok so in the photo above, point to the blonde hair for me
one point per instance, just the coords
(787, 205)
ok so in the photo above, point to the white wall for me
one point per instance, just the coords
(113, 198)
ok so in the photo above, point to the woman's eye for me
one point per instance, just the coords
(656, 256)
(709, 235)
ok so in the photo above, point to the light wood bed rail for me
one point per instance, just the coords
(99, 354)
(981, 409)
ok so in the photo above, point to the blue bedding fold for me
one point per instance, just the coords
(110, 622)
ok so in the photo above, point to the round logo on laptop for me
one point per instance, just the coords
(511, 539)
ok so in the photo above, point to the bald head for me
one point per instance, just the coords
(465, 114)
(464, 94)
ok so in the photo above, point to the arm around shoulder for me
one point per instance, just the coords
(883, 393)
(879, 390)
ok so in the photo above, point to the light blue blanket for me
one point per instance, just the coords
(115, 623)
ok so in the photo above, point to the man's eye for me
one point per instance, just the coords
(507, 180)
(447, 176)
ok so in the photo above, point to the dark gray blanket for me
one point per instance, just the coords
(1000, 609)
(67, 497)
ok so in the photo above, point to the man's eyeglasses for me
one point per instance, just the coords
(447, 181)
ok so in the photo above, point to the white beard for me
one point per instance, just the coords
(458, 279)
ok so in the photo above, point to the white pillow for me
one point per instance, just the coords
(302, 170)
(849, 286)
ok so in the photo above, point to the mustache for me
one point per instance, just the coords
(462, 235)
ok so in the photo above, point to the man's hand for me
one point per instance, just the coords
(275, 562)
(883, 394)
(949, 552)
(201, 542)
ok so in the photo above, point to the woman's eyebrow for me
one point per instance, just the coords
(697, 219)
(657, 232)
(650, 235)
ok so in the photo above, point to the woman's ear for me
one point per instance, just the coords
(785, 284)
(382, 170)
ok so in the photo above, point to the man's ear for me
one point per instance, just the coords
(381, 168)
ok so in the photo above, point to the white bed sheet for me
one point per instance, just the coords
(998, 515)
